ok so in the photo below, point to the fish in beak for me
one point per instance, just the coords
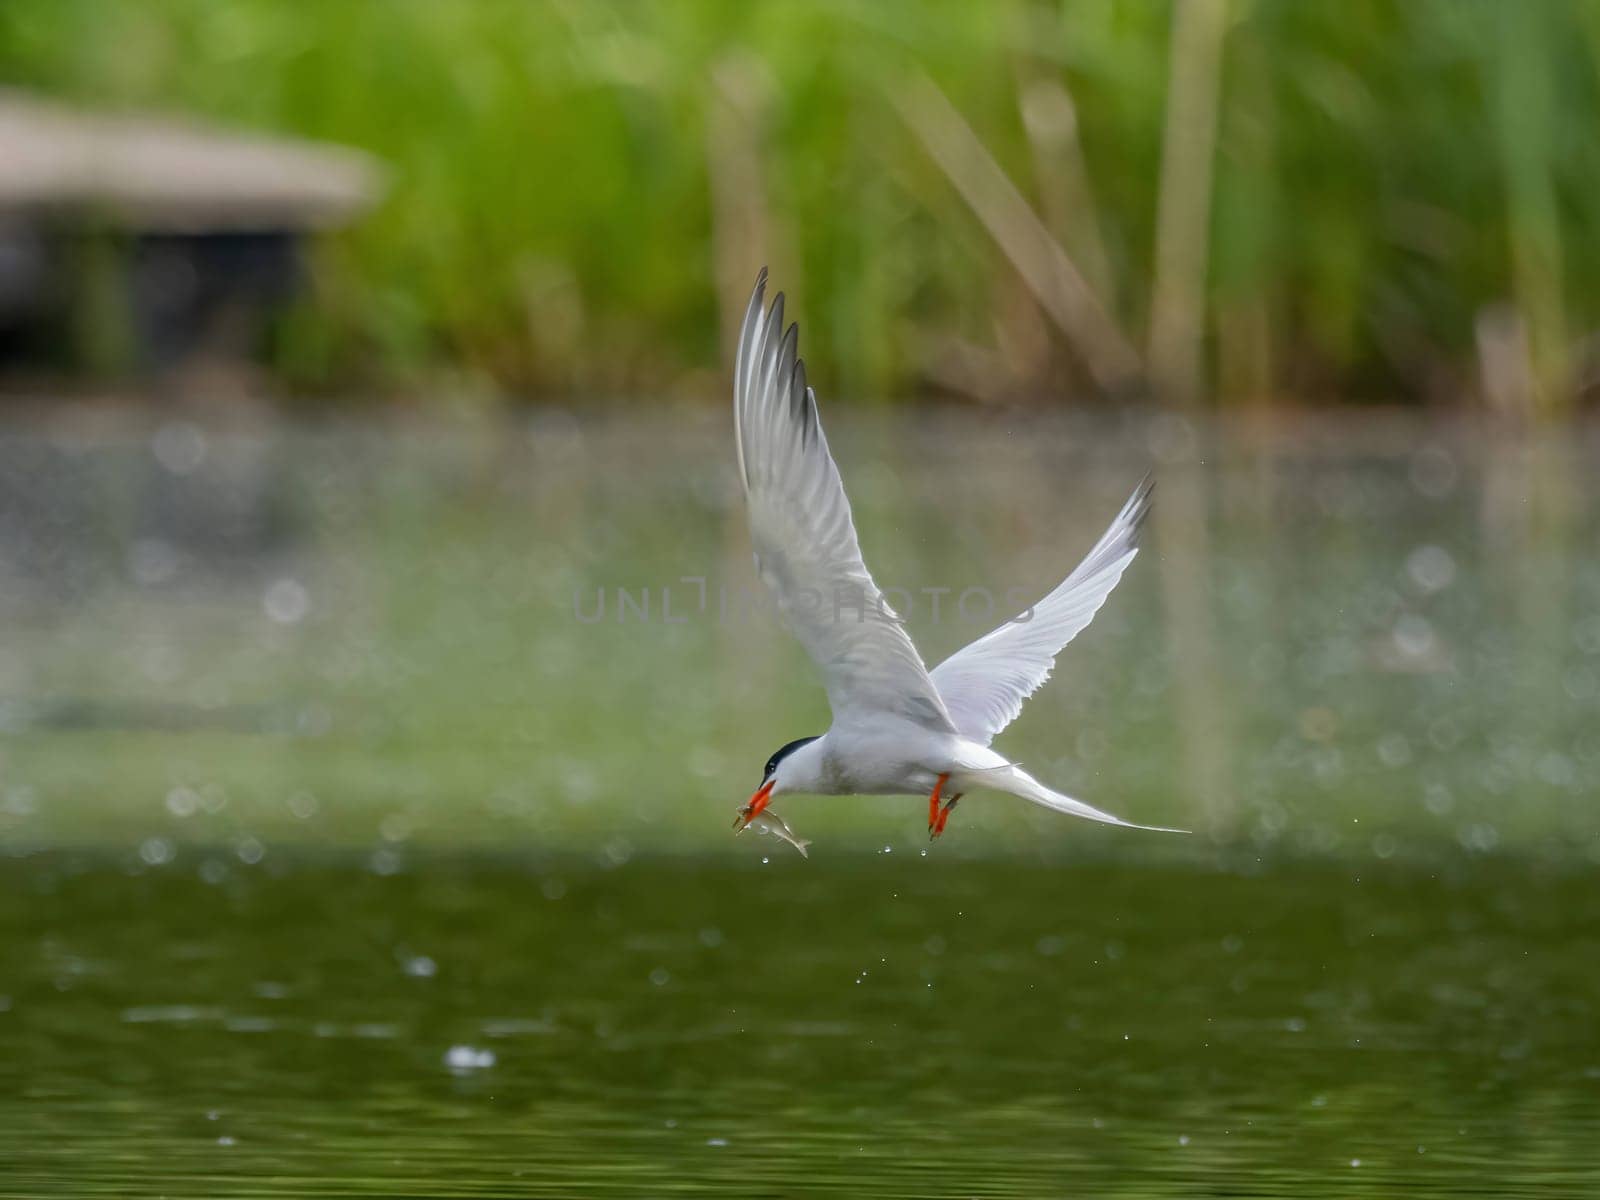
(771, 822)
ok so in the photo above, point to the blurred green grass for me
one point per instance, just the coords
(581, 191)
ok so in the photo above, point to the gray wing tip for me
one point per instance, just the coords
(774, 348)
(800, 401)
(757, 294)
(746, 369)
(789, 343)
(1137, 510)
(750, 330)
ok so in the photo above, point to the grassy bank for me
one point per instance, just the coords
(1389, 194)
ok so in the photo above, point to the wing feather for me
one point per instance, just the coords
(985, 683)
(804, 538)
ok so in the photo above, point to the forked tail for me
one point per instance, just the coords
(1018, 782)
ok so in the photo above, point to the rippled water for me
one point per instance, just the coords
(884, 1027)
(341, 854)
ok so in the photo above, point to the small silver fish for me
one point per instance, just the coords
(768, 821)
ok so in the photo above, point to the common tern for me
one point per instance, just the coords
(898, 728)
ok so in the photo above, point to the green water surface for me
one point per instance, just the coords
(884, 1027)
(339, 857)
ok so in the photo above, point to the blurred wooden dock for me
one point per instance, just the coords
(135, 242)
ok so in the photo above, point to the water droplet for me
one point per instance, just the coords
(303, 805)
(1413, 636)
(1394, 750)
(179, 447)
(1436, 798)
(1431, 568)
(468, 1058)
(1480, 835)
(286, 601)
(1433, 472)
(183, 802)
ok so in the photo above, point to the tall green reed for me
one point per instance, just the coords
(1385, 172)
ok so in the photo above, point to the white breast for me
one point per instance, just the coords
(886, 757)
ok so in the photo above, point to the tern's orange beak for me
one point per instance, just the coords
(757, 802)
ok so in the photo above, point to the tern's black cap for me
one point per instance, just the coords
(783, 752)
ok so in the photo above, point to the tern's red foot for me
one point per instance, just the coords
(933, 803)
(944, 815)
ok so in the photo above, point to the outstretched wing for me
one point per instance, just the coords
(984, 684)
(805, 542)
